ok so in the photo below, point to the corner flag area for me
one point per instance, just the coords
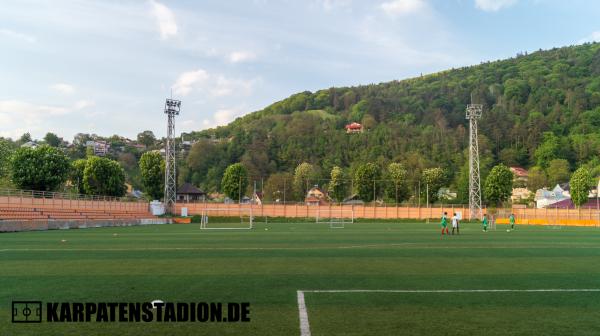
(305, 278)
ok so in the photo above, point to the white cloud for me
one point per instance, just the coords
(332, 4)
(214, 85)
(11, 34)
(222, 116)
(493, 5)
(593, 37)
(403, 7)
(81, 104)
(21, 108)
(165, 19)
(241, 56)
(226, 115)
(63, 88)
(227, 86)
(18, 117)
(187, 80)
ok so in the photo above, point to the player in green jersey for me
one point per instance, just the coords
(445, 223)
(511, 220)
(484, 222)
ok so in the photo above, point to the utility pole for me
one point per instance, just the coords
(427, 191)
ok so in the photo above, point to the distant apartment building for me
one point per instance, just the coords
(100, 147)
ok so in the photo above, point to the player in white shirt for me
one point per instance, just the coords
(455, 224)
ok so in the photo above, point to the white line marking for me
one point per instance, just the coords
(303, 315)
(450, 290)
(343, 247)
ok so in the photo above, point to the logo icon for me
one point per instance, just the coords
(26, 312)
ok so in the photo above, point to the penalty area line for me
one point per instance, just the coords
(303, 312)
(415, 246)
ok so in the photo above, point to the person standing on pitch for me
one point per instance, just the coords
(511, 219)
(484, 222)
(445, 223)
(455, 224)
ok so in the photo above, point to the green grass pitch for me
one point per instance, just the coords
(181, 263)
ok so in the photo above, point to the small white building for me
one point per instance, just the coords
(30, 144)
(545, 197)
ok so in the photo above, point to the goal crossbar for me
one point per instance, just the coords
(227, 219)
(336, 218)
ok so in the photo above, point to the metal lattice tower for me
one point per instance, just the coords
(474, 113)
(171, 110)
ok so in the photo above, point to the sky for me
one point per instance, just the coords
(106, 67)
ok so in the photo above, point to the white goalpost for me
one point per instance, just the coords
(227, 219)
(336, 218)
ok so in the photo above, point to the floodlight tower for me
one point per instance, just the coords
(474, 113)
(171, 110)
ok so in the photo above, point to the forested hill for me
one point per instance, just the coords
(537, 108)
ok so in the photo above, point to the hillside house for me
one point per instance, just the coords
(521, 176)
(187, 193)
(520, 194)
(354, 128)
(316, 196)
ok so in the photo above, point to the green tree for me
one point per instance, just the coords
(146, 138)
(302, 176)
(358, 111)
(397, 188)
(558, 171)
(103, 176)
(52, 139)
(89, 152)
(547, 150)
(235, 181)
(513, 156)
(434, 179)
(537, 179)
(5, 153)
(581, 183)
(337, 184)
(498, 185)
(77, 169)
(278, 187)
(152, 169)
(25, 138)
(365, 181)
(44, 168)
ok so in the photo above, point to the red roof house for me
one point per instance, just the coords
(354, 128)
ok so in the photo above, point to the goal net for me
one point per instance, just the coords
(222, 219)
(336, 218)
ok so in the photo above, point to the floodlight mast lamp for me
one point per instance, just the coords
(475, 210)
(171, 110)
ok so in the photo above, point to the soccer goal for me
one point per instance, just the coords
(337, 218)
(224, 219)
(492, 223)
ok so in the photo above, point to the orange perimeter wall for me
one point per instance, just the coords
(53, 203)
(575, 217)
